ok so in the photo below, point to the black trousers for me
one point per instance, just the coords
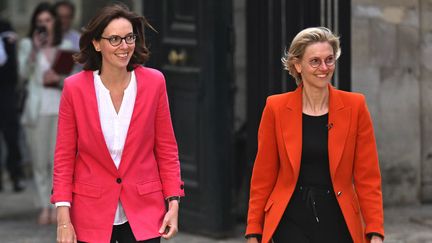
(123, 234)
(9, 128)
(312, 215)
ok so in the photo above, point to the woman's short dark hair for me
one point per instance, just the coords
(46, 7)
(90, 58)
(67, 4)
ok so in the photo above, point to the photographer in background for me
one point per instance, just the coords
(9, 124)
(36, 55)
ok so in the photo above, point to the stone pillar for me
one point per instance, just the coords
(385, 67)
(426, 98)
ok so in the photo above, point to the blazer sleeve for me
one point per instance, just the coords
(367, 176)
(264, 172)
(165, 148)
(66, 149)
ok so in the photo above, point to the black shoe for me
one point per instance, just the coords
(18, 186)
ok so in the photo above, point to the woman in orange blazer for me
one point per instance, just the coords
(116, 162)
(316, 176)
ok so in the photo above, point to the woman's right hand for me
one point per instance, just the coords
(39, 40)
(252, 240)
(65, 229)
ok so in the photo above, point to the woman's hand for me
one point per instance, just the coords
(170, 222)
(39, 40)
(66, 233)
(65, 229)
(376, 239)
(252, 240)
(51, 78)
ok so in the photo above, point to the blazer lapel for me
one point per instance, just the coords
(339, 124)
(291, 124)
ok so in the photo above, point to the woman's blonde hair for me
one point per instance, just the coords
(302, 40)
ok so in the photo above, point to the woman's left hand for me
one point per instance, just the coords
(170, 222)
(376, 239)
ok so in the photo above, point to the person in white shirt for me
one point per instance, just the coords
(36, 55)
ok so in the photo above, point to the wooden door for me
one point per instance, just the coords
(194, 51)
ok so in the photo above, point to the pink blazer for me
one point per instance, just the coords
(85, 174)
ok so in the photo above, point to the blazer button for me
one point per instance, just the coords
(119, 180)
(339, 193)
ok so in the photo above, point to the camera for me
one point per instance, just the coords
(41, 29)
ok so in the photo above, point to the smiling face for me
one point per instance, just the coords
(115, 57)
(314, 75)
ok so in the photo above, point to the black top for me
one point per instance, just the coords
(8, 71)
(314, 169)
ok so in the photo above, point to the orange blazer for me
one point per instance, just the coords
(353, 162)
(85, 174)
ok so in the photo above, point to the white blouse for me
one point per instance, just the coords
(41, 100)
(114, 126)
(50, 98)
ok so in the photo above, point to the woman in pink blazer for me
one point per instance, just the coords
(116, 160)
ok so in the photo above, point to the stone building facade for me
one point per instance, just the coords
(392, 66)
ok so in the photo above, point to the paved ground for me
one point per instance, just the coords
(18, 225)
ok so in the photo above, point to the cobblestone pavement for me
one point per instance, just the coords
(18, 214)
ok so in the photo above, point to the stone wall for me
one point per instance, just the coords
(426, 97)
(390, 41)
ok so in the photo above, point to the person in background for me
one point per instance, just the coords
(66, 13)
(116, 164)
(3, 54)
(9, 123)
(316, 176)
(36, 55)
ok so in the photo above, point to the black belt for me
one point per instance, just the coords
(309, 195)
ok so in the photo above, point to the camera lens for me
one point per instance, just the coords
(41, 29)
